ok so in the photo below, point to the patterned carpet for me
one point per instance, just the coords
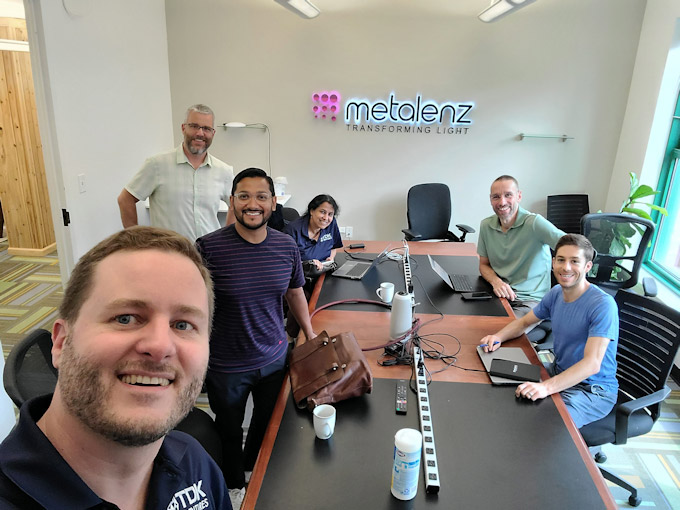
(30, 292)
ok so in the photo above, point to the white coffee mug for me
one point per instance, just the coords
(385, 292)
(324, 421)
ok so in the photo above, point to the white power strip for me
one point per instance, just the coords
(426, 428)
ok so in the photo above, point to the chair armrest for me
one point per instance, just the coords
(465, 228)
(410, 234)
(649, 287)
(623, 412)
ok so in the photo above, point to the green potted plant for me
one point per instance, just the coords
(616, 238)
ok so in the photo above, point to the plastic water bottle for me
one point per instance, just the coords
(408, 444)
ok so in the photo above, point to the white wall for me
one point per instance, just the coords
(109, 100)
(12, 9)
(552, 68)
(651, 103)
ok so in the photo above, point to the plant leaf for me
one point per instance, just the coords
(637, 212)
(642, 191)
(662, 210)
(634, 183)
(624, 230)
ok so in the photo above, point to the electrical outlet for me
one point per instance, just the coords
(81, 183)
(348, 232)
(342, 231)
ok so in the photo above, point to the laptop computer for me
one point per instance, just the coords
(457, 282)
(356, 269)
(515, 354)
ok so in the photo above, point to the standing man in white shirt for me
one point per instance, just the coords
(185, 185)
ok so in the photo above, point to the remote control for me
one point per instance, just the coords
(401, 402)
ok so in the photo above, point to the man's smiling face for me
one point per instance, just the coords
(570, 267)
(253, 202)
(505, 199)
(133, 362)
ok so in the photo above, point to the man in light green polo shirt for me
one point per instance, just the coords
(514, 248)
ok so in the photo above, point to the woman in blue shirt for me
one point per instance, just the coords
(316, 232)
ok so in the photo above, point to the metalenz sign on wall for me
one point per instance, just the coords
(393, 115)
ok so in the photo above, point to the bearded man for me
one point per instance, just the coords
(254, 268)
(184, 186)
(131, 350)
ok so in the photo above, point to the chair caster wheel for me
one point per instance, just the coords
(601, 458)
(633, 501)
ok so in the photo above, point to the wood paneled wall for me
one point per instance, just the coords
(23, 186)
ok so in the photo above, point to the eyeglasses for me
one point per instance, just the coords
(196, 127)
(260, 197)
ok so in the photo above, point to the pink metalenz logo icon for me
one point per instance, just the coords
(326, 105)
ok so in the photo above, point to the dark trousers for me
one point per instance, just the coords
(228, 394)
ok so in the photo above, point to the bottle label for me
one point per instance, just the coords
(405, 473)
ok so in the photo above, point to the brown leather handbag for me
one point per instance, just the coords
(327, 369)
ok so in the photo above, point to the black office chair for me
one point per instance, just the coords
(620, 241)
(428, 211)
(289, 214)
(565, 211)
(649, 337)
(28, 369)
(29, 373)
(276, 219)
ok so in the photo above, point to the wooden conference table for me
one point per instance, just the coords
(493, 450)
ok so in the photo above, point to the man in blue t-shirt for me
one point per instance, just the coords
(254, 268)
(586, 328)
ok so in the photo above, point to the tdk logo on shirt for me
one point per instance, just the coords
(191, 498)
(326, 237)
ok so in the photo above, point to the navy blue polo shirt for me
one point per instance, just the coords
(33, 475)
(329, 239)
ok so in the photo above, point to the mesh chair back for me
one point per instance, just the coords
(620, 241)
(649, 337)
(428, 210)
(565, 211)
(28, 370)
(290, 214)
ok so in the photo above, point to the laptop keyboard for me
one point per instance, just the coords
(357, 270)
(460, 283)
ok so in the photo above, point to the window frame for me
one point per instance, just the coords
(670, 171)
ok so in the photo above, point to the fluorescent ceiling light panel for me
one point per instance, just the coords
(500, 8)
(304, 8)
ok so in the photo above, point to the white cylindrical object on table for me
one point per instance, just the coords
(401, 317)
(408, 444)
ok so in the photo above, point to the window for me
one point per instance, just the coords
(664, 257)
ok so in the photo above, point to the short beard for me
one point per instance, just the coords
(265, 220)
(86, 397)
(197, 151)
